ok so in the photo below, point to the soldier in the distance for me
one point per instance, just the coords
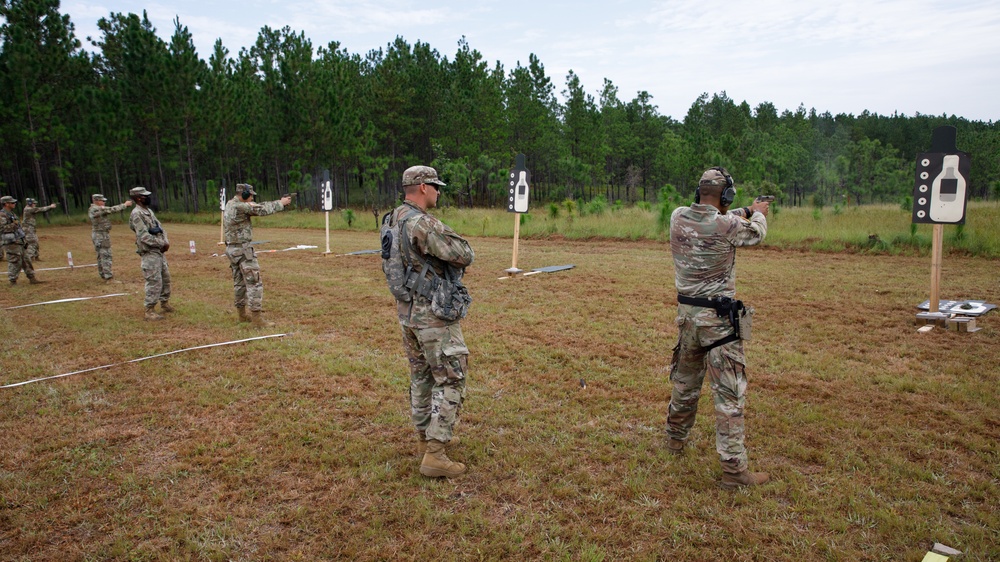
(31, 208)
(151, 243)
(703, 241)
(100, 232)
(12, 237)
(248, 288)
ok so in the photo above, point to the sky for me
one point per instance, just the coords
(841, 56)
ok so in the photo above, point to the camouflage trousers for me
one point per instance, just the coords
(102, 245)
(725, 367)
(31, 247)
(247, 285)
(157, 276)
(17, 260)
(438, 366)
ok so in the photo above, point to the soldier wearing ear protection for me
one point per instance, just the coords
(31, 209)
(248, 288)
(703, 241)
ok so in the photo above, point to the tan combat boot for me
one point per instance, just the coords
(422, 443)
(165, 307)
(675, 446)
(152, 314)
(34, 281)
(745, 478)
(257, 319)
(242, 311)
(436, 463)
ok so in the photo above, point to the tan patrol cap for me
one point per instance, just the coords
(7, 199)
(417, 175)
(138, 191)
(98, 197)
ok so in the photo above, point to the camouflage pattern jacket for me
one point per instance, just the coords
(703, 242)
(140, 221)
(28, 219)
(99, 221)
(430, 237)
(236, 218)
(10, 228)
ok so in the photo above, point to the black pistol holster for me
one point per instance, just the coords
(723, 306)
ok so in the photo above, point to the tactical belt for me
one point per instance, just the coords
(723, 306)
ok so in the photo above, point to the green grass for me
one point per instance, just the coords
(880, 441)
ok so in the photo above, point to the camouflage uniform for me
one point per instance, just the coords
(703, 242)
(28, 224)
(12, 236)
(150, 249)
(435, 348)
(247, 284)
(100, 233)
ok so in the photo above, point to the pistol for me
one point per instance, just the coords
(765, 198)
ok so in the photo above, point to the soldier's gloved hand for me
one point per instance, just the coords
(165, 247)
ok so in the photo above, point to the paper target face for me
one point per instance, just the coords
(518, 189)
(940, 192)
(222, 199)
(327, 196)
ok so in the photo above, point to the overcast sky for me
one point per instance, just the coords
(906, 56)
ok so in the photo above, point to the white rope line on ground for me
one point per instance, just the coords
(142, 359)
(66, 267)
(67, 300)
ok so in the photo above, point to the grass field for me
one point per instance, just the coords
(880, 441)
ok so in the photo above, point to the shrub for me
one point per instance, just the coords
(817, 214)
(837, 209)
(348, 217)
(906, 203)
(817, 201)
(597, 205)
(644, 205)
(553, 210)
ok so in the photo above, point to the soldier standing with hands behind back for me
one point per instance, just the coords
(100, 232)
(31, 208)
(703, 240)
(247, 284)
(151, 243)
(424, 252)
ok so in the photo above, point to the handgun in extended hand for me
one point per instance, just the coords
(765, 198)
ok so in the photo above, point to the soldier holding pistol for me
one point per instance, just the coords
(703, 241)
(248, 288)
(31, 208)
(100, 232)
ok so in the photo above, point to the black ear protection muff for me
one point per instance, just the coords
(728, 194)
(246, 193)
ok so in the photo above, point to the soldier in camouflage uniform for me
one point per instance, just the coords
(703, 240)
(12, 236)
(151, 243)
(247, 284)
(435, 348)
(100, 232)
(31, 208)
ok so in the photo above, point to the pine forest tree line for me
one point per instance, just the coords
(136, 110)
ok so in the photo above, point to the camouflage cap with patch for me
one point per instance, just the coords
(713, 176)
(30, 201)
(417, 175)
(7, 199)
(98, 197)
(240, 187)
(138, 191)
